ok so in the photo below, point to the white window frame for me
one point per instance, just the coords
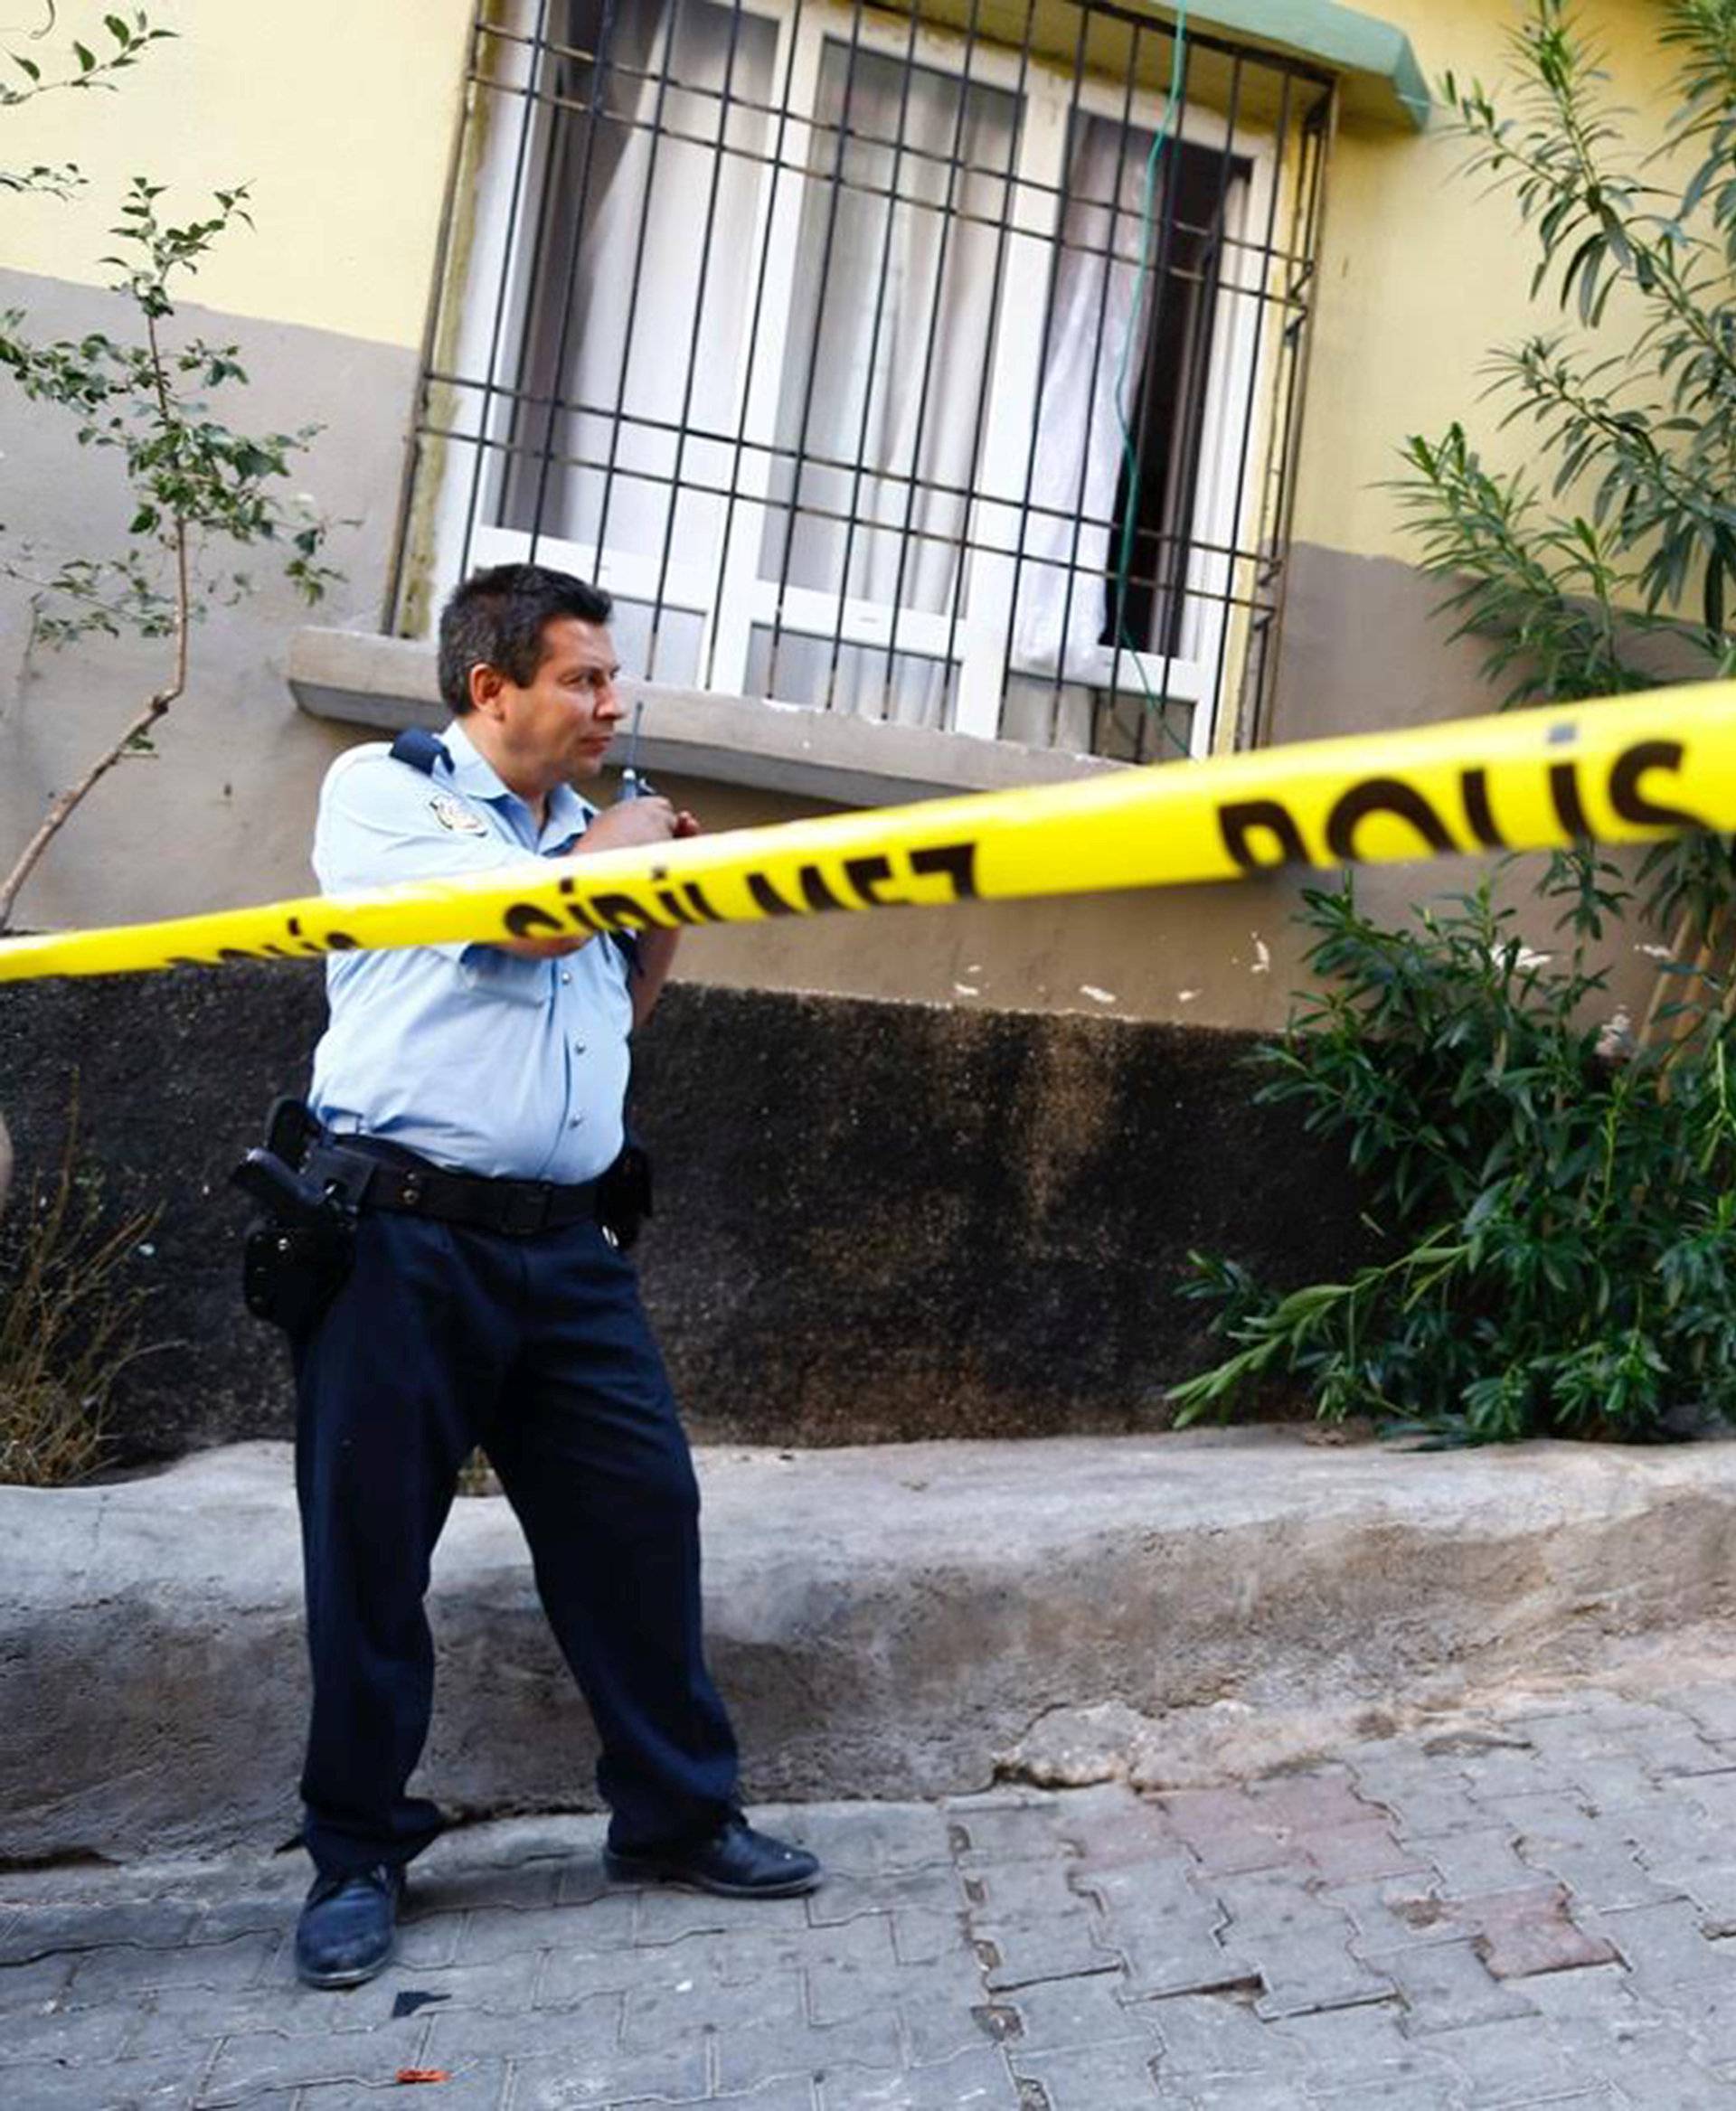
(1240, 361)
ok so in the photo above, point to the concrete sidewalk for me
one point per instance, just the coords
(1532, 1904)
(888, 1622)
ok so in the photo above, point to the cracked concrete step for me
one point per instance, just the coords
(887, 1622)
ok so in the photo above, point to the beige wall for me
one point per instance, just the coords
(221, 812)
(1423, 271)
(343, 119)
(339, 114)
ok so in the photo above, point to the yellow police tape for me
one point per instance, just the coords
(1644, 766)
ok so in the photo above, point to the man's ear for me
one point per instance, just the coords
(486, 685)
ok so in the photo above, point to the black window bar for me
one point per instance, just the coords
(883, 366)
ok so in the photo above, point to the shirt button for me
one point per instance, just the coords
(578, 1048)
(566, 975)
(577, 1122)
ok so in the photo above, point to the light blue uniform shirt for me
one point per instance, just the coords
(474, 1057)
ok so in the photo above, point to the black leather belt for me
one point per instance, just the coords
(375, 1175)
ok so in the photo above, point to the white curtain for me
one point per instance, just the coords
(667, 65)
(889, 357)
(1078, 448)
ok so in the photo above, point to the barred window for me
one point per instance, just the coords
(879, 366)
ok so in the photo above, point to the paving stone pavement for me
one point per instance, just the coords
(1533, 1905)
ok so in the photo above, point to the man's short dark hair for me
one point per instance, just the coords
(496, 618)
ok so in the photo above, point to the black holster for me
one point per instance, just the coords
(299, 1252)
(624, 1194)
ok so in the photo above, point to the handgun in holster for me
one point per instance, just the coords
(298, 1255)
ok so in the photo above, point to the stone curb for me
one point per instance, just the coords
(889, 1622)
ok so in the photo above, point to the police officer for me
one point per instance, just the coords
(476, 1093)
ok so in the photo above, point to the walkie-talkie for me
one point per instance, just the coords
(634, 786)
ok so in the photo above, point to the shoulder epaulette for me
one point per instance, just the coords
(421, 750)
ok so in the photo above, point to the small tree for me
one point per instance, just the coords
(198, 487)
(69, 1315)
(1551, 1209)
(87, 70)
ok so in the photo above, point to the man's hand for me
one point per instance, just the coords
(649, 820)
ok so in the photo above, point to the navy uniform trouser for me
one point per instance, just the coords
(538, 1349)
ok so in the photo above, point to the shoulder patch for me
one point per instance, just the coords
(453, 813)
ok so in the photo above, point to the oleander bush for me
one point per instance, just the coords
(1552, 1213)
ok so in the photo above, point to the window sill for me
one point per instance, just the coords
(359, 679)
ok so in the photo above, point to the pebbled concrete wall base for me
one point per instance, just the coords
(895, 1621)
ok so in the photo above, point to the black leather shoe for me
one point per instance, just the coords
(348, 1927)
(736, 1862)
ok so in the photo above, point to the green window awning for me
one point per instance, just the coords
(1381, 79)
